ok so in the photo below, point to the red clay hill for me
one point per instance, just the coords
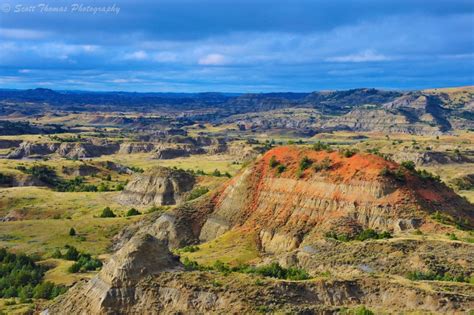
(292, 193)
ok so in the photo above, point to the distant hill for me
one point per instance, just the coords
(417, 112)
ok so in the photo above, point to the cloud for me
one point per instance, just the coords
(213, 60)
(364, 56)
(308, 45)
(22, 34)
(136, 55)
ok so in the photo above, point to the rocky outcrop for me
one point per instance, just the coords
(167, 153)
(159, 186)
(86, 150)
(30, 149)
(72, 150)
(379, 120)
(136, 147)
(115, 286)
(432, 157)
(287, 208)
(81, 170)
(211, 293)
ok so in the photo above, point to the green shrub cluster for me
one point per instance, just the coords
(348, 152)
(83, 261)
(397, 174)
(361, 310)
(273, 270)
(43, 173)
(280, 168)
(197, 192)
(409, 165)
(136, 169)
(366, 234)
(189, 249)
(459, 183)
(21, 277)
(273, 162)
(320, 146)
(74, 185)
(305, 163)
(420, 275)
(131, 212)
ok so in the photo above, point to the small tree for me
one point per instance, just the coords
(273, 162)
(409, 165)
(133, 212)
(281, 168)
(107, 213)
(305, 163)
(72, 232)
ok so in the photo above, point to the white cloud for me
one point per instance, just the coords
(19, 34)
(364, 56)
(124, 81)
(212, 60)
(137, 55)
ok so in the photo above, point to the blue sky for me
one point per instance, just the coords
(236, 46)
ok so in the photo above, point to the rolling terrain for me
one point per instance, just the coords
(333, 201)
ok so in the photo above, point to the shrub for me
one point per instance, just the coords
(305, 163)
(216, 173)
(274, 270)
(325, 165)
(107, 213)
(348, 152)
(399, 175)
(43, 173)
(190, 265)
(280, 168)
(72, 232)
(157, 209)
(131, 212)
(273, 162)
(362, 310)
(409, 165)
(452, 236)
(320, 146)
(71, 253)
(423, 174)
(74, 268)
(189, 249)
(197, 192)
(57, 254)
(83, 261)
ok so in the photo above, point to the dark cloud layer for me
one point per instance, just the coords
(236, 45)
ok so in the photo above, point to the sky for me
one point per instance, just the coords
(236, 46)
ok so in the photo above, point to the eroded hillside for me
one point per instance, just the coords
(357, 224)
